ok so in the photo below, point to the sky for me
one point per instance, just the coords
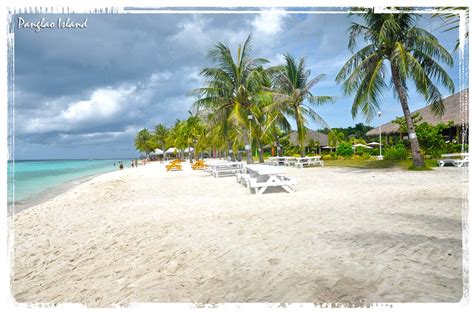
(85, 93)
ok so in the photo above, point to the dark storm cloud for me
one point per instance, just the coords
(114, 48)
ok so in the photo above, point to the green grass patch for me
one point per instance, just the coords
(424, 168)
(379, 164)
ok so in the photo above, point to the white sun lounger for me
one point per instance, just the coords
(243, 178)
(464, 161)
(290, 161)
(227, 169)
(309, 161)
(277, 161)
(287, 183)
(260, 177)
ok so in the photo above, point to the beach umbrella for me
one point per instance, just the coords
(361, 145)
(171, 150)
(374, 144)
(327, 147)
(187, 150)
(157, 152)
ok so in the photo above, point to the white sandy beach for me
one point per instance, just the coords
(145, 235)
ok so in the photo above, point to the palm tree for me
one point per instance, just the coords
(410, 53)
(258, 127)
(335, 137)
(192, 130)
(261, 118)
(144, 142)
(292, 92)
(177, 138)
(161, 135)
(217, 122)
(232, 85)
(277, 126)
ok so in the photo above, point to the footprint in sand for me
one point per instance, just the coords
(274, 261)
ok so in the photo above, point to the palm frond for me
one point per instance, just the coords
(314, 116)
(369, 92)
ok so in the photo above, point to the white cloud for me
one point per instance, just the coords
(158, 77)
(269, 22)
(193, 34)
(102, 105)
(108, 108)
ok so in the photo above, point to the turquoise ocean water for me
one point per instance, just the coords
(30, 179)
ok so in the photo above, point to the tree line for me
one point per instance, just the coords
(245, 105)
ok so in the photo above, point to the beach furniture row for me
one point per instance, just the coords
(224, 168)
(299, 162)
(256, 177)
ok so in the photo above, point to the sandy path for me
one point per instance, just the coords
(144, 235)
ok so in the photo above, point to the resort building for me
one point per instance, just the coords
(314, 140)
(456, 111)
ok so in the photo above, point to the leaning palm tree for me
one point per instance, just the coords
(161, 135)
(292, 94)
(232, 85)
(409, 53)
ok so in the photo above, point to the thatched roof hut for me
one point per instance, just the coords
(456, 109)
(317, 137)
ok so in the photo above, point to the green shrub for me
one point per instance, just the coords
(397, 152)
(344, 149)
(375, 151)
(291, 151)
(329, 156)
(431, 138)
(452, 148)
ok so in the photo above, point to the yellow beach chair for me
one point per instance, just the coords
(199, 165)
(174, 165)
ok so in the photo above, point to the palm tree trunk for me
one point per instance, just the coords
(260, 152)
(299, 132)
(417, 158)
(248, 150)
(164, 153)
(279, 150)
(231, 153)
